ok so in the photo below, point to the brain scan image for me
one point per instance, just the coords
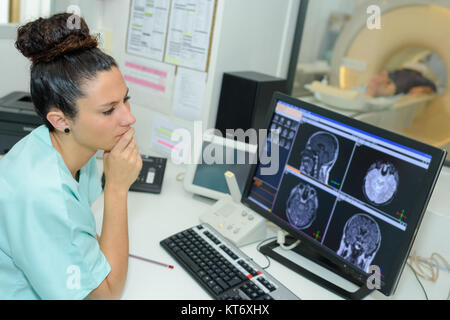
(319, 155)
(301, 207)
(381, 183)
(360, 241)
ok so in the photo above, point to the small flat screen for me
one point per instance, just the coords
(211, 176)
(218, 156)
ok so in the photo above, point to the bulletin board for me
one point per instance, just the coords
(166, 62)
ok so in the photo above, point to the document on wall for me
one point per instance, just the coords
(189, 93)
(169, 138)
(189, 33)
(147, 28)
(150, 82)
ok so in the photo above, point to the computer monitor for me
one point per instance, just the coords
(353, 193)
(218, 155)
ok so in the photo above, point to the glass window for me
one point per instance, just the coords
(21, 11)
(382, 62)
(4, 11)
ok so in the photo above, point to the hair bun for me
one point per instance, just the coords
(43, 40)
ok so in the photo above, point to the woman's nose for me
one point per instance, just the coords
(127, 118)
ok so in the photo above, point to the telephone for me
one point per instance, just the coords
(150, 178)
(232, 219)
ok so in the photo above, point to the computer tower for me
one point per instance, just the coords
(245, 99)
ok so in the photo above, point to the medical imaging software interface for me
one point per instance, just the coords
(347, 189)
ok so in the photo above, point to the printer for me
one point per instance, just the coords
(17, 119)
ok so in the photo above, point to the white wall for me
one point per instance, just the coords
(91, 10)
(253, 35)
(14, 69)
(316, 24)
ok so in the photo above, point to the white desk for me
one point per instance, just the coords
(153, 217)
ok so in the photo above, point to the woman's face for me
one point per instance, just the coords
(104, 113)
(383, 85)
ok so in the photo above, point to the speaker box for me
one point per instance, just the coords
(245, 99)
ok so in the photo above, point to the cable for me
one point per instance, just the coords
(281, 239)
(290, 247)
(430, 264)
(265, 256)
(414, 271)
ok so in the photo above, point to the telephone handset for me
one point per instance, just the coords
(150, 178)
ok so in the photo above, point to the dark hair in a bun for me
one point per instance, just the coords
(46, 39)
(62, 56)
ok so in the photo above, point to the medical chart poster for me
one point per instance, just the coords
(189, 93)
(150, 82)
(147, 29)
(189, 33)
(169, 138)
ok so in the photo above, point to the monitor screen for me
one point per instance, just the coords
(354, 192)
(211, 175)
(217, 155)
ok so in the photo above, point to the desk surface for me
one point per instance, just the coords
(154, 217)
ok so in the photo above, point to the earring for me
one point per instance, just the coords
(66, 130)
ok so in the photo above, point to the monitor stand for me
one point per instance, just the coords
(306, 252)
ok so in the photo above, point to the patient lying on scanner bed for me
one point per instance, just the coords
(383, 91)
(402, 81)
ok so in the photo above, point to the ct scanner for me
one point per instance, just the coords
(360, 53)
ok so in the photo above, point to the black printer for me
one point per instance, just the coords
(17, 119)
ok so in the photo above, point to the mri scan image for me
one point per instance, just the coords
(360, 241)
(381, 183)
(301, 206)
(319, 155)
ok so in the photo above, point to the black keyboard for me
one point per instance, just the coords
(221, 268)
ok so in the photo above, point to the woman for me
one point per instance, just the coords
(49, 248)
(404, 80)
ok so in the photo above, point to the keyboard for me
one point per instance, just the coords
(221, 268)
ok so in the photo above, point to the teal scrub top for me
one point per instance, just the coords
(48, 239)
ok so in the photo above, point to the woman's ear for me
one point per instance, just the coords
(58, 120)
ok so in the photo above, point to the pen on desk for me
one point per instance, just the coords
(152, 261)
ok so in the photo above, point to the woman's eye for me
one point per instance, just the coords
(108, 112)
